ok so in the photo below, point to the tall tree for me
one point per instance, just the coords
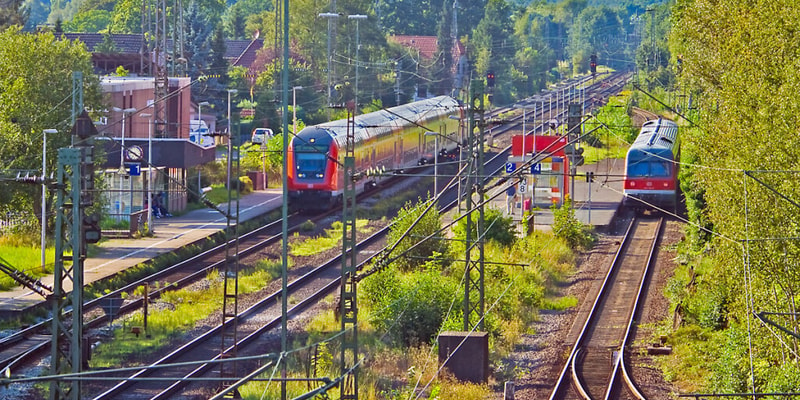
(13, 12)
(198, 33)
(35, 90)
(741, 66)
(444, 43)
(495, 46)
(599, 31)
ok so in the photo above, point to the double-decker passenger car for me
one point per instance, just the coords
(651, 167)
(391, 139)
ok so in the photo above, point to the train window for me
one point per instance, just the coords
(311, 165)
(649, 168)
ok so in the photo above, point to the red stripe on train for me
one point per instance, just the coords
(649, 184)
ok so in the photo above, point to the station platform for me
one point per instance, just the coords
(596, 203)
(169, 234)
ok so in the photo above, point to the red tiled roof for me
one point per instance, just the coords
(427, 45)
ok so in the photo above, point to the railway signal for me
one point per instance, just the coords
(593, 64)
(490, 79)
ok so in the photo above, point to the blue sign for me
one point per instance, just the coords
(511, 167)
(536, 169)
(134, 169)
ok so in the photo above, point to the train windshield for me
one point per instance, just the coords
(651, 167)
(310, 161)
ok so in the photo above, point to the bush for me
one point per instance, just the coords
(245, 185)
(428, 225)
(411, 307)
(567, 227)
(498, 228)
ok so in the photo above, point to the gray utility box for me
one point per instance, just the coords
(465, 354)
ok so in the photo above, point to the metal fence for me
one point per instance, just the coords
(10, 221)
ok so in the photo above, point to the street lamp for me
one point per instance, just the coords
(125, 112)
(356, 17)
(328, 16)
(435, 160)
(149, 172)
(44, 188)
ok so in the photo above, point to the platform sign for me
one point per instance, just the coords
(511, 167)
(134, 169)
(523, 185)
(536, 169)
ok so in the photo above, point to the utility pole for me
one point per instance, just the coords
(73, 230)
(348, 295)
(474, 270)
(230, 289)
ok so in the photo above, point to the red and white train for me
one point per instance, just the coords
(651, 167)
(391, 139)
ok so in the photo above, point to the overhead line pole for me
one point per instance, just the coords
(285, 205)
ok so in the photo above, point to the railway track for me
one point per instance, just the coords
(32, 341)
(595, 369)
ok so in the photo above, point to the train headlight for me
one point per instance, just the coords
(301, 175)
(320, 175)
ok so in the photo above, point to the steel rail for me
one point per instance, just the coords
(562, 378)
(639, 299)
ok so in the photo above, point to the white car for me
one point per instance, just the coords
(198, 133)
(261, 135)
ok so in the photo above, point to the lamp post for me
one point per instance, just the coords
(356, 17)
(328, 16)
(149, 172)
(44, 189)
(125, 112)
(435, 161)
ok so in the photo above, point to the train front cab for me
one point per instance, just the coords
(650, 180)
(313, 171)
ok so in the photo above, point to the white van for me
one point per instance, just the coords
(261, 135)
(198, 133)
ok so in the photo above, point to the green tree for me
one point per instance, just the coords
(35, 90)
(127, 17)
(90, 21)
(429, 223)
(740, 65)
(13, 12)
(107, 45)
(599, 31)
(498, 228)
(411, 307)
(444, 63)
(495, 46)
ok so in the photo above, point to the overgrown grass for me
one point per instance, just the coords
(330, 239)
(219, 194)
(177, 312)
(559, 303)
(27, 259)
